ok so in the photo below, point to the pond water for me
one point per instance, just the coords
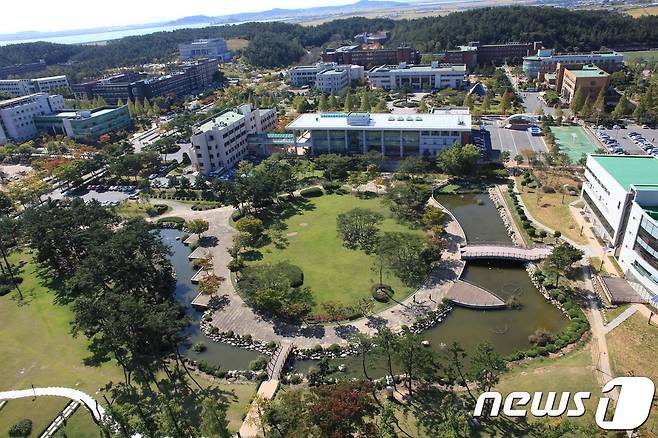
(217, 354)
(506, 330)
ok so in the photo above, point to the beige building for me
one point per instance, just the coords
(589, 78)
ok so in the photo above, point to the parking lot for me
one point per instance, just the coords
(622, 137)
(512, 140)
(107, 196)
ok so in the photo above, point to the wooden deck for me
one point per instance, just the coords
(466, 294)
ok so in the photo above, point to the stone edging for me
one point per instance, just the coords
(502, 211)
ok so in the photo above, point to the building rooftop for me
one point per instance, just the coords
(628, 170)
(223, 119)
(457, 121)
(588, 71)
(421, 68)
(17, 100)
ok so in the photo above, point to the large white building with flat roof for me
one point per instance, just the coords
(17, 115)
(214, 48)
(391, 135)
(24, 87)
(327, 77)
(419, 77)
(620, 194)
(220, 142)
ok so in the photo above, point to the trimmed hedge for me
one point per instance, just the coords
(171, 220)
(311, 192)
(381, 292)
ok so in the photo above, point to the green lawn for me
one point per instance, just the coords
(331, 271)
(646, 55)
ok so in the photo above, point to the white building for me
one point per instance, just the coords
(327, 77)
(17, 115)
(220, 142)
(391, 135)
(419, 77)
(621, 200)
(24, 87)
(205, 48)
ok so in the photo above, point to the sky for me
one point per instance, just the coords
(49, 15)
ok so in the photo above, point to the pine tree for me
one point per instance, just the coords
(621, 109)
(333, 103)
(486, 104)
(131, 108)
(101, 102)
(599, 104)
(422, 108)
(156, 109)
(119, 102)
(577, 101)
(348, 102)
(586, 110)
(148, 111)
(381, 106)
(322, 105)
(559, 115)
(139, 108)
(365, 102)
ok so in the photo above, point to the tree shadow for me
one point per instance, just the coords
(346, 331)
(376, 322)
(218, 302)
(252, 255)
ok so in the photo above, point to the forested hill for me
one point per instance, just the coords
(280, 44)
(563, 29)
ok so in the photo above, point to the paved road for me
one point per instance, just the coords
(531, 102)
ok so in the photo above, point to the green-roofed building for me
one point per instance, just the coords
(621, 201)
(84, 124)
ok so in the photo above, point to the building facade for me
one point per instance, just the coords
(220, 142)
(86, 124)
(620, 194)
(546, 61)
(588, 78)
(418, 77)
(192, 77)
(368, 56)
(391, 135)
(17, 115)
(305, 75)
(24, 87)
(328, 78)
(215, 48)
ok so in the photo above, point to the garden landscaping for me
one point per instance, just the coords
(334, 273)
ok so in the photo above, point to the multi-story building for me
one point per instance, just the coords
(85, 124)
(23, 87)
(326, 77)
(205, 48)
(512, 52)
(221, 141)
(192, 77)
(546, 61)
(17, 115)
(620, 194)
(21, 69)
(588, 78)
(306, 74)
(394, 136)
(371, 56)
(372, 38)
(419, 77)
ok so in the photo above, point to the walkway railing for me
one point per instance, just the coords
(498, 251)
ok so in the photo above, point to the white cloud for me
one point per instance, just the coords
(48, 15)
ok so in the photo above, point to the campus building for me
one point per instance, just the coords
(393, 136)
(373, 38)
(17, 115)
(24, 87)
(419, 77)
(327, 77)
(474, 53)
(220, 142)
(84, 124)
(21, 69)
(588, 78)
(369, 56)
(215, 48)
(546, 61)
(192, 77)
(621, 201)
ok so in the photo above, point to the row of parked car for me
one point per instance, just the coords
(642, 142)
(481, 143)
(104, 188)
(611, 144)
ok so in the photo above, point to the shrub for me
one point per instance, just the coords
(541, 337)
(331, 186)
(296, 379)
(334, 348)
(293, 272)
(236, 215)
(258, 364)
(199, 347)
(561, 298)
(22, 428)
(547, 189)
(311, 192)
(317, 349)
(381, 292)
(171, 220)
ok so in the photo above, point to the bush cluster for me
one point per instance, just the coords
(381, 292)
(311, 192)
(22, 428)
(209, 369)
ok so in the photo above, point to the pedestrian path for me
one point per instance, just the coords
(619, 319)
(94, 407)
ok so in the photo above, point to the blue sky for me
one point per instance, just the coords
(48, 15)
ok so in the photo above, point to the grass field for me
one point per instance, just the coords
(37, 349)
(633, 348)
(642, 12)
(573, 141)
(549, 209)
(331, 271)
(236, 43)
(647, 55)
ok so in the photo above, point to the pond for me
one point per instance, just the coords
(217, 354)
(506, 330)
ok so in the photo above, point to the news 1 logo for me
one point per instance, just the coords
(632, 410)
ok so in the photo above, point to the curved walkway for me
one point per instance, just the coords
(94, 407)
(235, 315)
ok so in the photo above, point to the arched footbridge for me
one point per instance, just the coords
(503, 252)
